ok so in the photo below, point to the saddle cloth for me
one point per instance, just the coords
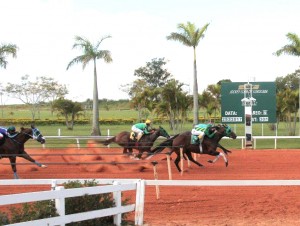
(194, 139)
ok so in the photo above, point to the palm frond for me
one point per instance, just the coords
(101, 40)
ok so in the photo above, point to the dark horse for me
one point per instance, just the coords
(13, 147)
(143, 145)
(209, 145)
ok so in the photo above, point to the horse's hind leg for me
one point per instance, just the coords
(27, 157)
(190, 157)
(13, 166)
(218, 155)
(176, 161)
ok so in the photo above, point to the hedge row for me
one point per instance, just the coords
(128, 121)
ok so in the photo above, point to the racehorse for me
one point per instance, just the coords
(143, 145)
(209, 145)
(13, 147)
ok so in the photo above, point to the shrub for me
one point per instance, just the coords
(4, 219)
(88, 203)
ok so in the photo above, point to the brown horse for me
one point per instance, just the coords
(143, 145)
(209, 145)
(13, 147)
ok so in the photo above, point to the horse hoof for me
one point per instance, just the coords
(226, 164)
(210, 161)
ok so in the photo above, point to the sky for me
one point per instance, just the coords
(238, 44)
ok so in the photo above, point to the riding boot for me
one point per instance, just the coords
(200, 147)
(201, 136)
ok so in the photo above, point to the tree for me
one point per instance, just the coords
(6, 50)
(145, 92)
(68, 109)
(174, 103)
(54, 91)
(293, 48)
(190, 36)
(92, 53)
(32, 93)
(153, 73)
(287, 100)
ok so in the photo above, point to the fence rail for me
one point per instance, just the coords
(242, 138)
(112, 185)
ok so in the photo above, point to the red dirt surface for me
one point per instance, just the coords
(183, 205)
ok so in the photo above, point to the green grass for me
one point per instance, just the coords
(20, 111)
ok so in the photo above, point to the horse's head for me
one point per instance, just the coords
(163, 132)
(227, 131)
(34, 133)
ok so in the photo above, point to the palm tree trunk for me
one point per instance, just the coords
(195, 91)
(95, 126)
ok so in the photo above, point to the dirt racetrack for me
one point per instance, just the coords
(184, 205)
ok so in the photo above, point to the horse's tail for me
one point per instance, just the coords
(108, 141)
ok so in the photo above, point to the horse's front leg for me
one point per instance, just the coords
(218, 155)
(27, 157)
(13, 166)
(226, 151)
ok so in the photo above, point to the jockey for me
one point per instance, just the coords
(141, 128)
(203, 129)
(9, 131)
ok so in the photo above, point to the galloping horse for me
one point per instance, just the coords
(143, 145)
(13, 147)
(209, 145)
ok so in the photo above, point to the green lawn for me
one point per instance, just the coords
(20, 111)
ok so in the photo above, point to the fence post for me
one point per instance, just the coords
(53, 185)
(154, 163)
(78, 144)
(169, 165)
(181, 161)
(139, 203)
(60, 204)
(118, 203)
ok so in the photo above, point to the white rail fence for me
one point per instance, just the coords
(242, 138)
(111, 185)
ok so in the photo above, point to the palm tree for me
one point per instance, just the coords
(290, 49)
(190, 36)
(91, 53)
(5, 50)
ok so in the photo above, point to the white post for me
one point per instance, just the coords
(118, 203)
(60, 204)
(248, 101)
(139, 203)
(53, 185)
(78, 144)
(108, 136)
(169, 165)
(58, 132)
